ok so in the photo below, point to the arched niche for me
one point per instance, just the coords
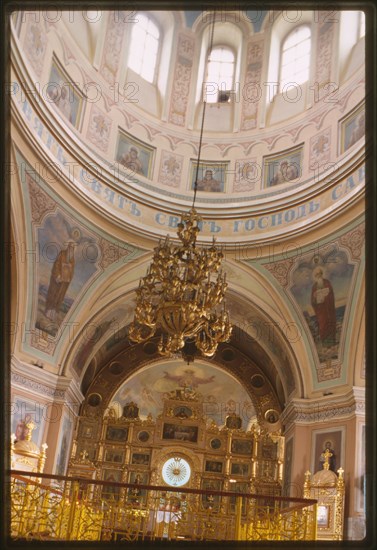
(253, 389)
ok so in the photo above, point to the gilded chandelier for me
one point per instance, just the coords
(180, 295)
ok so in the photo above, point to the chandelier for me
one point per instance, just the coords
(181, 295)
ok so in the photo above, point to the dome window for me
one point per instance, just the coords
(144, 47)
(295, 57)
(220, 73)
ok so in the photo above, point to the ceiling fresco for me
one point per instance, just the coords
(221, 392)
(320, 283)
(72, 256)
(249, 214)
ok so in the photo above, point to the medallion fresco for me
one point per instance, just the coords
(64, 95)
(352, 128)
(134, 155)
(282, 168)
(222, 394)
(211, 176)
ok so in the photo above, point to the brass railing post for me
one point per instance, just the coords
(72, 510)
(315, 521)
(237, 534)
(24, 509)
(43, 515)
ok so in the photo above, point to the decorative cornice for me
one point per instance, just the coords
(35, 387)
(40, 382)
(325, 409)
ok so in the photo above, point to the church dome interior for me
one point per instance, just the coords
(120, 123)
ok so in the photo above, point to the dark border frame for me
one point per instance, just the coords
(371, 265)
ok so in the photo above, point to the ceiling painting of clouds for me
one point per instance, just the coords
(221, 392)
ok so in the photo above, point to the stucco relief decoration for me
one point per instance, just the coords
(181, 80)
(354, 241)
(320, 285)
(280, 270)
(36, 387)
(174, 141)
(99, 129)
(295, 132)
(247, 174)
(112, 252)
(152, 132)
(113, 46)
(130, 119)
(324, 52)
(35, 44)
(250, 96)
(343, 98)
(170, 169)
(320, 148)
(40, 202)
(317, 120)
(223, 147)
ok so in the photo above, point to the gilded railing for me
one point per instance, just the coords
(61, 508)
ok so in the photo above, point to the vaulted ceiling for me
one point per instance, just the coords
(71, 184)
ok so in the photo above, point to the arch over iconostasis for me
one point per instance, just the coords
(222, 392)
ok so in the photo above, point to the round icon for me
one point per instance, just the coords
(215, 443)
(272, 416)
(143, 436)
